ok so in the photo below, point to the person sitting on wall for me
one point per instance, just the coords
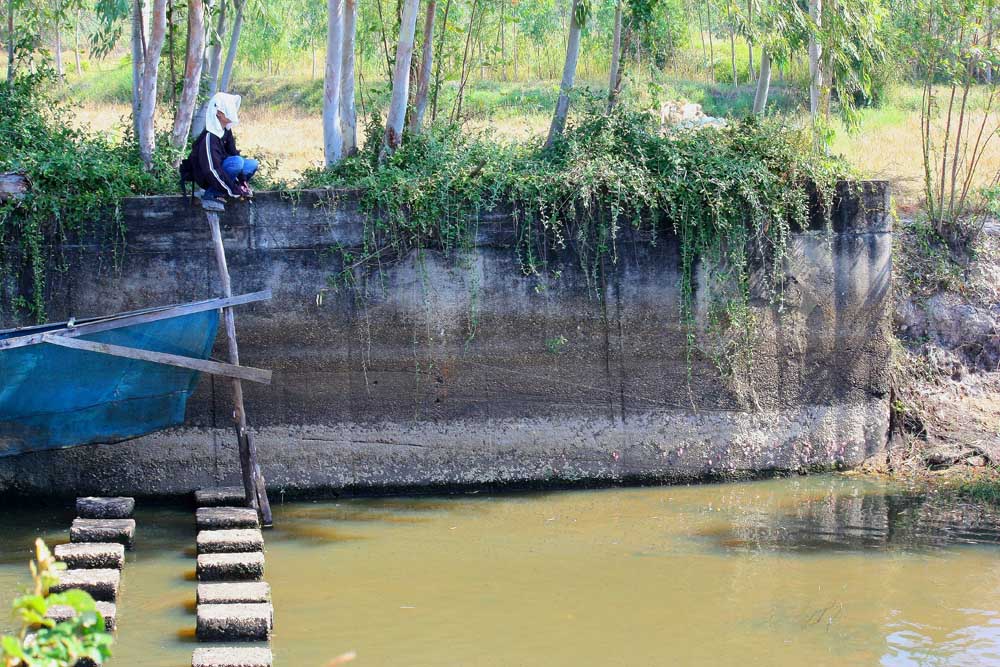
(215, 164)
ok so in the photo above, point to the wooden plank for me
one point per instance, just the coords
(203, 365)
(131, 319)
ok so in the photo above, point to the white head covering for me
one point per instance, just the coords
(227, 104)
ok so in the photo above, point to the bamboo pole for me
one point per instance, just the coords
(253, 480)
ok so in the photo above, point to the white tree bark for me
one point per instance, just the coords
(60, 70)
(616, 55)
(234, 41)
(763, 83)
(333, 137)
(210, 69)
(137, 66)
(426, 61)
(815, 60)
(568, 76)
(348, 112)
(192, 73)
(157, 35)
(393, 138)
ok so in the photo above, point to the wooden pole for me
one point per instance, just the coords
(253, 480)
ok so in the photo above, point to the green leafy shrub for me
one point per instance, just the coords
(44, 643)
(77, 181)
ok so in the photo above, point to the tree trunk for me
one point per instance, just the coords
(732, 44)
(210, 70)
(333, 137)
(753, 75)
(157, 35)
(426, 62)
(569, 74)
(192, 73)
(616, 54)
(76, 44)
(10, 41)
(456, 114)
(711, 43)
(138, 55)
(701, 31)
(234, 42)
(170, 37)
(348, 112)
(763, 83)
(437, 70)
(400, 80)
(312, 75)
(58, 45)
(815, 55)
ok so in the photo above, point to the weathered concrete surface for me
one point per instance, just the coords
(121, 531)
(222, 518)
(105, 508)
(108, 611)
(226, 622)
(91, 555)
(232, 656)
(445, 371)
(220, 496)
(230, 541)
(231, 567)
(232, 592)
(101, 584)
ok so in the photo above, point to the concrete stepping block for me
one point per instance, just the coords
(222, 518)
(227, 622)
(234, 592)
(101, 584)
(221, 496)
(121, 531)
(109, 611)
(105, 508)
(231, 567)
(91, 555)
(234, 540)
(232, 656)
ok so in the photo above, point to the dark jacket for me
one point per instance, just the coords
(205, 162)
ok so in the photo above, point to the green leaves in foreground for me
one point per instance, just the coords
(44, 643)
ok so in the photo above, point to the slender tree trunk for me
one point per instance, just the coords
(10, 41)
(464, 76)
(815, 56)
(568, 76)
(701, 32)
(157, 35)
(385, 40)
(333, 137)
(732, 44)
(58, 45)
(210, 69)
(170, 37)
(711, 43)
(400, 80)
(76, 44)
(138, 54)
(437, 70)
(348, 112)
(753, 75)
(763, 83)
(192, 73)
(616, 54)
(426, 62)
(234, 43)
(312, 75)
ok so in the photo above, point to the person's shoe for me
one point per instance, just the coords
(213, 205)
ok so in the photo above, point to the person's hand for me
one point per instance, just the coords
(245, 191)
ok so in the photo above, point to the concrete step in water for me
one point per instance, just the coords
(121, 531)
(232, 656)
(101, 584)
(234, 592)
(239, 622)
(221, 496)
(105, 508)
(91, 555)
(222, 518)
(109, 611)
(233, 540)
(247, 566)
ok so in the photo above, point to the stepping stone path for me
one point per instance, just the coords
(95, 557)
(121, 531)
(234, 605)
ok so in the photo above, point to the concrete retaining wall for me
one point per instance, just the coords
(463, 372)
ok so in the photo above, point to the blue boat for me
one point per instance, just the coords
(108, 379)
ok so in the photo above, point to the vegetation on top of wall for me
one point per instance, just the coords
(76, 181)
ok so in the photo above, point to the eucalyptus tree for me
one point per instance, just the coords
(393, 137)
(234, 41)
(348, 111)
(578, 18)
(192, 73)
(426, 63)
(150, 72)
(333, 136)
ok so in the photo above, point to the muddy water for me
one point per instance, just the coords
(809, 571)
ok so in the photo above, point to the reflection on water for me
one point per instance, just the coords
(819, 571)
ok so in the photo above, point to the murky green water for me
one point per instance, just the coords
(808, 571)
